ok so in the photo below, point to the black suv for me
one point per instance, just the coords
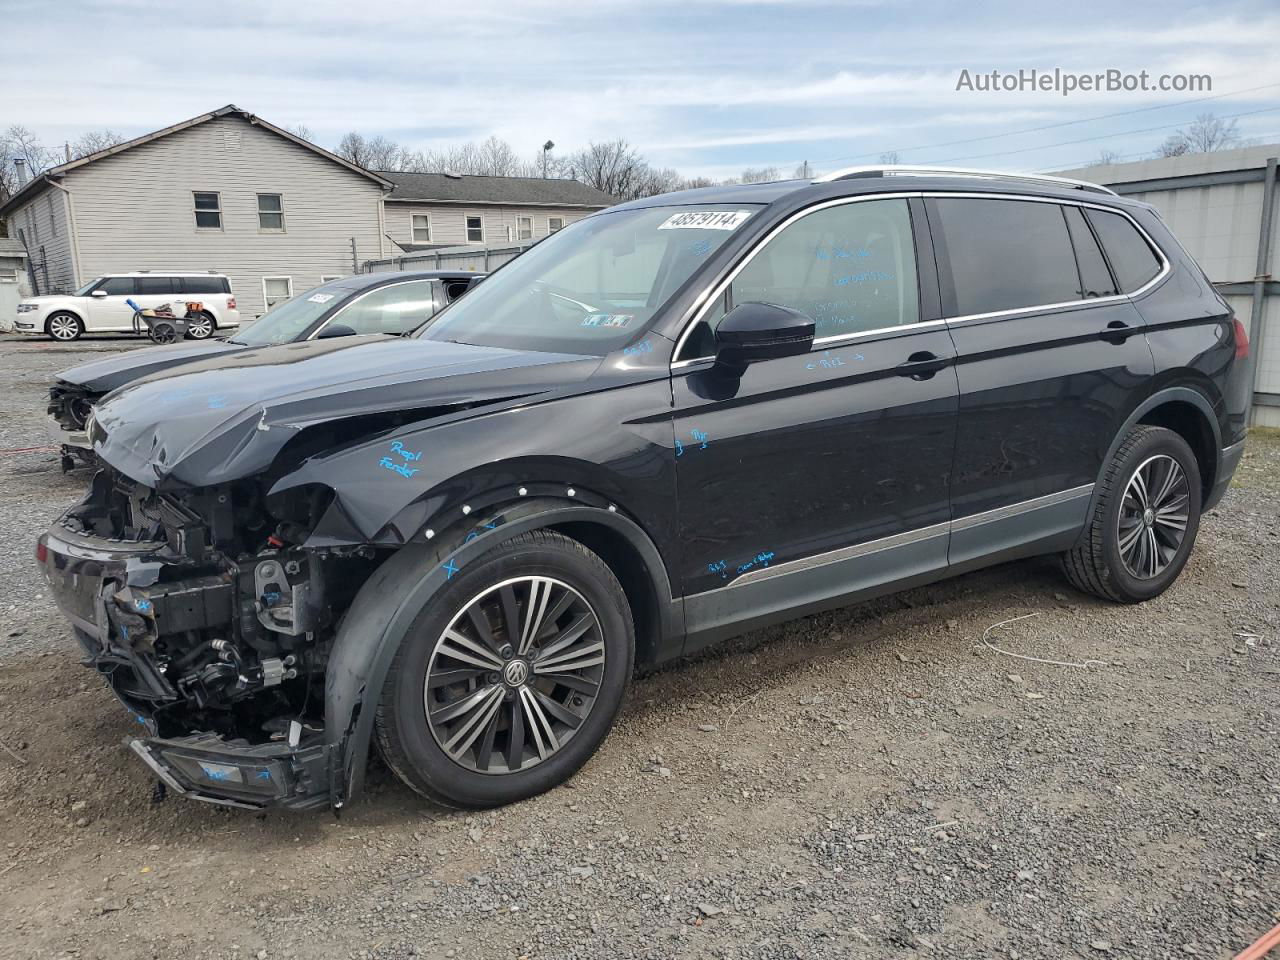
(676, 420)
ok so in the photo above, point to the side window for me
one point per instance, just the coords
(201, 285)
(1006, 254)
(1132, 259)
(117, 287)
(851, 268)
(154, 286)
(1095, 278)
(392, 309)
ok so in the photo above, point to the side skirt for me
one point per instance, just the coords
(798, 588)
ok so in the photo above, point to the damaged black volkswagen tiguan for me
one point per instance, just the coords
(676, 420)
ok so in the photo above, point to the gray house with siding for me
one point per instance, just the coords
(429, 210)
(230, 193)
(225, 192)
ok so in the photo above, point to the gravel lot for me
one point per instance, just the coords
(875, 782)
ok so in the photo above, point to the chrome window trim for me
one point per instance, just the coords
(344, 307)
(698, 310)
(905, 538)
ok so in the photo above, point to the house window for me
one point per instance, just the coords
(270, 211)
(554, 224)
(524, 228)
(421, 228)
(208, 211)
(475, 230)
(276, 290)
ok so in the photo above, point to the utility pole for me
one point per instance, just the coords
(546, 148)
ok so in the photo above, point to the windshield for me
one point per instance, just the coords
(84, 291)
(590, 288)
(287, 321)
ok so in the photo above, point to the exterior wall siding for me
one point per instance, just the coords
(448, 221)
(135, 211)
(47, 229)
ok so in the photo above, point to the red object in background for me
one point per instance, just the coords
(1269, 941)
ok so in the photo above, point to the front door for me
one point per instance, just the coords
(107, 307)
(811, 479)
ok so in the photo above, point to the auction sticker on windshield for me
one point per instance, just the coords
(706, 220)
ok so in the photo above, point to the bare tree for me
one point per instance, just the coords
(760, 175)
(94, 141)
(613, 167)
(19, 143)
(301, 131)
(1206, 134)
(890, 157)
(803, 172)
(375, 153)
(1106, 156)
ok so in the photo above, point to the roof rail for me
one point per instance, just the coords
(853, 173)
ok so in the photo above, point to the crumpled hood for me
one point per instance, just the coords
(227, 417)
(109, 373)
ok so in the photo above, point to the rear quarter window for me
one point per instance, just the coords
(1132, 260)
(203, 284)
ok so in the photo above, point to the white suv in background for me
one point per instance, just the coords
(101, 306)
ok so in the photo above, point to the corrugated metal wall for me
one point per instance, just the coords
(1220, 223)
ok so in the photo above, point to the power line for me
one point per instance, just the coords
(1052, 126)
(1104, 136)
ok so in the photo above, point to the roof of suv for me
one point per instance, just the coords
(854, 180)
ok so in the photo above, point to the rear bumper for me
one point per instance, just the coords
(1228, 460)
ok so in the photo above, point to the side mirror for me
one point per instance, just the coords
(99, 294)
(761, 331)
(335, 330)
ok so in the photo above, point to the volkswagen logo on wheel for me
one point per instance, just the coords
(516, 672)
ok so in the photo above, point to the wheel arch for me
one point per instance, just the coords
(67, 310)
(366, 639)
(1187, 412)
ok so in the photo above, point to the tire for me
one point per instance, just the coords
(1129, 554)
(201, 326)
(64, 327)
(471, 759)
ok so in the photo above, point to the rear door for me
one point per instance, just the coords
(812, 478)
(1049, 360)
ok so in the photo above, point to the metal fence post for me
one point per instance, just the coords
(1258, 308)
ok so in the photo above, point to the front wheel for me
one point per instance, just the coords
(1144, 522)
(64, 327)
(510, 677)
(200, 326)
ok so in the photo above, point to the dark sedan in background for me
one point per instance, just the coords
(390, 303)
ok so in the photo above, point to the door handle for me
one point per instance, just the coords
(921, 365)
(1117, 331)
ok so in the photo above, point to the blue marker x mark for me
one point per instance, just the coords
(450, 568)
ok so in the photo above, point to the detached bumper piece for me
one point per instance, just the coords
(237, 774)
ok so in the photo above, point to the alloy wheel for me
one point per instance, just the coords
(514, 675)
(63, 327)
(199, 328)
(1153, 516)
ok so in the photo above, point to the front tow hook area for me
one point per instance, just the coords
(208, 768)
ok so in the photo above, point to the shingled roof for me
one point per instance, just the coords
(515, 191)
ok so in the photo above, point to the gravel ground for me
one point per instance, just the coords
(874, 782)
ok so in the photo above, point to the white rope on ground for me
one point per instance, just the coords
(1023, 656)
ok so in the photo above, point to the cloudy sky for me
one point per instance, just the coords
(706, 86)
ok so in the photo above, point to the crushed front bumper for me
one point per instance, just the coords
(87, 576)
(212, 769)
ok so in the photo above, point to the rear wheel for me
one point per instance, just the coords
(510, 677)
(1145, 520)
(64, 326)
(200, 326)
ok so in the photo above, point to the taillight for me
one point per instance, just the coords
(1242, 339)
(231, 303)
